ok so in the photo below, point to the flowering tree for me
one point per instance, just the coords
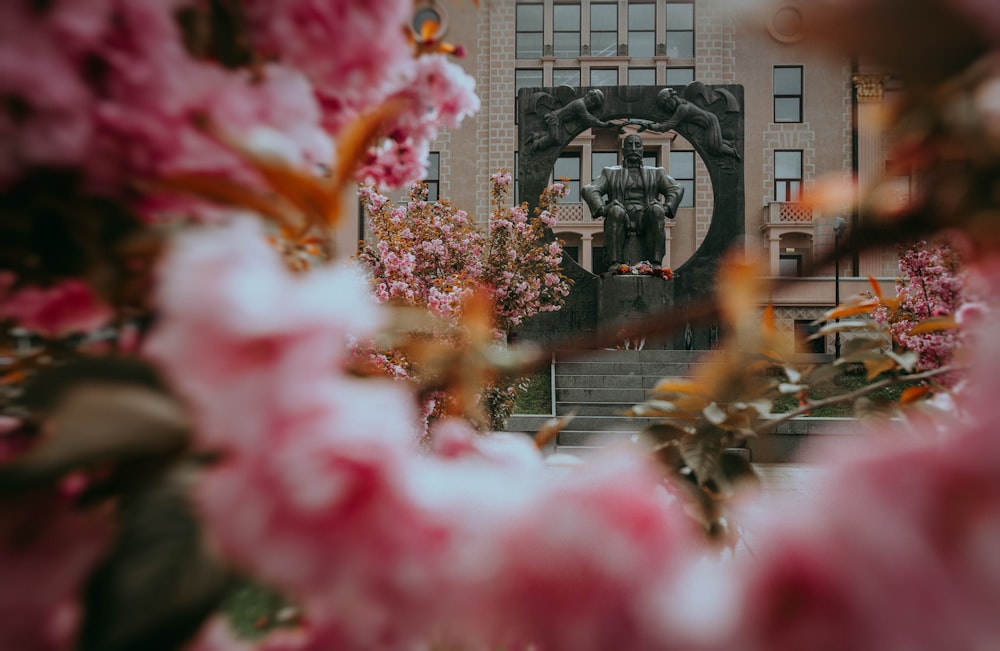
(432, 255)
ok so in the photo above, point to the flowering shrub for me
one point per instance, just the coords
(432, 255)
(931, 287)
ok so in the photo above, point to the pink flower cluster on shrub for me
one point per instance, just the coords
(931, 286)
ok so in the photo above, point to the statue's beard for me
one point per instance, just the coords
(633, 160)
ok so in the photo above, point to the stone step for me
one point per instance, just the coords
(658, 356)
(593, 408)
(601, 394)
(652, 369)
(605, 381)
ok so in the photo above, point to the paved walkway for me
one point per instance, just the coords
(795, 480)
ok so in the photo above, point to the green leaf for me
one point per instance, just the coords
(907, 360)
(715, 414)
(701, 451)
(664, 432)
(159, 583)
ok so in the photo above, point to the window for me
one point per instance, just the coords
(529, 22)
(682, 171)
(680, 30)
(641, 30)
(680, 76)
(788, 93)
(787, 175)
(601, 159)
(603, 30)
(567, 170)
(527, 79)
(642, 76)
(433, 178)
(566, 77)
(803, 330)
(650, 159)
(604, 76)
(572, 251)
(517, 184)
(790, 265)
(566, 31)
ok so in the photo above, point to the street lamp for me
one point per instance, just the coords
(839, 223)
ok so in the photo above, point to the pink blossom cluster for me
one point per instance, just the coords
(428, 254)
(47, 549)
(523, 261)
(323, 493)
(931, 285)
(108, 87)
(65, 308)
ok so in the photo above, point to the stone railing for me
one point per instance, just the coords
(782, 212)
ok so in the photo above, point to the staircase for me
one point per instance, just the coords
(599, 387)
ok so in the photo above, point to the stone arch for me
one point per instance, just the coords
(539, 145)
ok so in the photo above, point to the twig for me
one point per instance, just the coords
(852, 395)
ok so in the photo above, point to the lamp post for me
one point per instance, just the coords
(838, 227)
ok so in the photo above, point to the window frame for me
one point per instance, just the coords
(784, 97)
(614, 32)
(648, 28)
(433, 177)
(573, 183)
(688, 183)
(792, 185)
(558, 30)
(689, 31)
(519, 32)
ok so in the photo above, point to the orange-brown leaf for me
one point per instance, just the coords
(877, 366)
(352, 143)
(551, 428)
(934, 324)
(912, 394)
(225, 192)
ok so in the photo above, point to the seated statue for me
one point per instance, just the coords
(633, 205)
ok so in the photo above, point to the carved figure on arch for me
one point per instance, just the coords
(677, 110)
(580, 110)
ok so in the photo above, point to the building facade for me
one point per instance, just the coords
(807, 117)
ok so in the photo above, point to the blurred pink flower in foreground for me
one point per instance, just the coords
(46, 550)
(71, 306)
(324, 493)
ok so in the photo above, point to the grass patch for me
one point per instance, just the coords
(842, 384)
(536, 397)
(252, 609)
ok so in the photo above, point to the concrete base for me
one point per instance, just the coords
(623, 298)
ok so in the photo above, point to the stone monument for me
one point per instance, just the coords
(633, 204)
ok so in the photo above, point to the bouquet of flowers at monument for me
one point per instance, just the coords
(644, 268)
(187, 407)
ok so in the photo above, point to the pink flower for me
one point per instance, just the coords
(71, 306)
(47, 548)
(351, 51)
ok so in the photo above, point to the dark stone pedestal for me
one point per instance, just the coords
(624, 298)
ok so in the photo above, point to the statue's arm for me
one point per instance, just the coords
(592, 195)
(671, 190)
(666, 125)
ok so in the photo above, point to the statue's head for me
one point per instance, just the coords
(632, 149)
(594, 98)
(667, 97)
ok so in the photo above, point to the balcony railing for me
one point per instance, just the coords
(787, 212)
(573, 212)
